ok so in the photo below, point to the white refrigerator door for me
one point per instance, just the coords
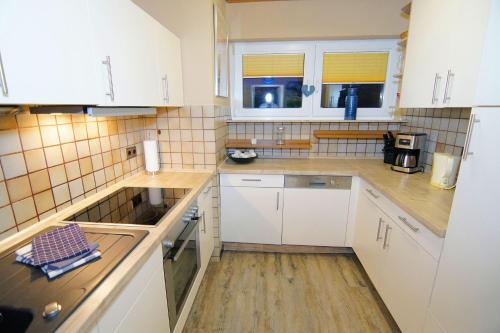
(466, 296)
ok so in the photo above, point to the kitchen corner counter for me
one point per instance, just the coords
(87, 314)
(412, 193)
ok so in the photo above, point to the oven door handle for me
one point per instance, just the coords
(186, 241)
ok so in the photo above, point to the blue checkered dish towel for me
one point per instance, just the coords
(25, 256)
(59, 244)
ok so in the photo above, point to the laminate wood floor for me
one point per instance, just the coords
(287, 293)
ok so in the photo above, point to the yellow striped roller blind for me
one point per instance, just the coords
(354, 67)
(275, 65)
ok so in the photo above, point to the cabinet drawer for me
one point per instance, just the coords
(423, 236)
(251, 180)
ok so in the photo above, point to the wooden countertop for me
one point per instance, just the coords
(413, 193)
(86, 315)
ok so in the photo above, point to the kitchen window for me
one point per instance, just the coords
(269, 80)
(309, 80)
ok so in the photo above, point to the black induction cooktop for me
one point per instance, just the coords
(132, 205)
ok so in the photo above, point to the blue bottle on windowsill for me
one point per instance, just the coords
(351, 104)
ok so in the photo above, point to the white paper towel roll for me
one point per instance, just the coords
(151, 155)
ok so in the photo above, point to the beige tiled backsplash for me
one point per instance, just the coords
(192, 137)
(321, 148)
(48, 162)
(445, 129)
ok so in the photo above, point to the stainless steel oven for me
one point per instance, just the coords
(181, 262)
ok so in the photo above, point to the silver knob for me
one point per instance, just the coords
(52, 310)
(167, 243)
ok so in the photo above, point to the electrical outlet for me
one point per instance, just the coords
(131, 152)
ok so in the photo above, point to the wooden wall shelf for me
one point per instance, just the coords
(323, 134)
(263, 144)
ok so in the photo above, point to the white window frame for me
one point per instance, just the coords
(239, 49)
(386, 111)
(313, 72)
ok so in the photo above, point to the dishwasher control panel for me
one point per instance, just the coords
(318, 181)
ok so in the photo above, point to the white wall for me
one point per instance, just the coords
(316, 19)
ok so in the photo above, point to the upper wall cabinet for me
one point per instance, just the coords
(449, 61)
(169, 67)
(125, 49)
(86, 52)
(45, 54)
(310, 80)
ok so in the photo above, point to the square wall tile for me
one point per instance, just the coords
(61, 194)
(39, 180)
(35, 160)
(24, 210)
(19, 188)
(7, 219)
(66, 133)
(53, 155)
(72, 170)
(13, 165)
(30, 138)
(10, 142)
(57, 175)
(44, 201)
(50, 136)
(4, 197)
(69, 152)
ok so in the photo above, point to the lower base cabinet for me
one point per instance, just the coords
(205, 211)
(141, 305)
(401, 269)
(251, 214)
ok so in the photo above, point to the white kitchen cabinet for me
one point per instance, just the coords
(315, 216)
(205, 211)
(466, 295)
(169, 67)
(426, 54)
(400, 268)
(125, 52)
(448, 62)
(46, 54)
(408, 273)
(142, 304)
(251, 214)
(368, 238)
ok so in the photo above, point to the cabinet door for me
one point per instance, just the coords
(467, 44)
(368, 236)
(315, 217)
(427, 53)
(206, 225)
(45, 49)
(169, 67)
(408, 276)
(469, 273)
(125, 34)
(251, 215)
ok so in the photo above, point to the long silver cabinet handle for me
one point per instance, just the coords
(164, 85)
(3, 79)
(447, 95)
(386, 243)
(204, 224)
(111, 92)
(380, 222)
(371, 193)
(437, 78)
(251, 180)
(466, 153)
(277, 200)
(206, 190)
(408, 224)
(167, 95)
